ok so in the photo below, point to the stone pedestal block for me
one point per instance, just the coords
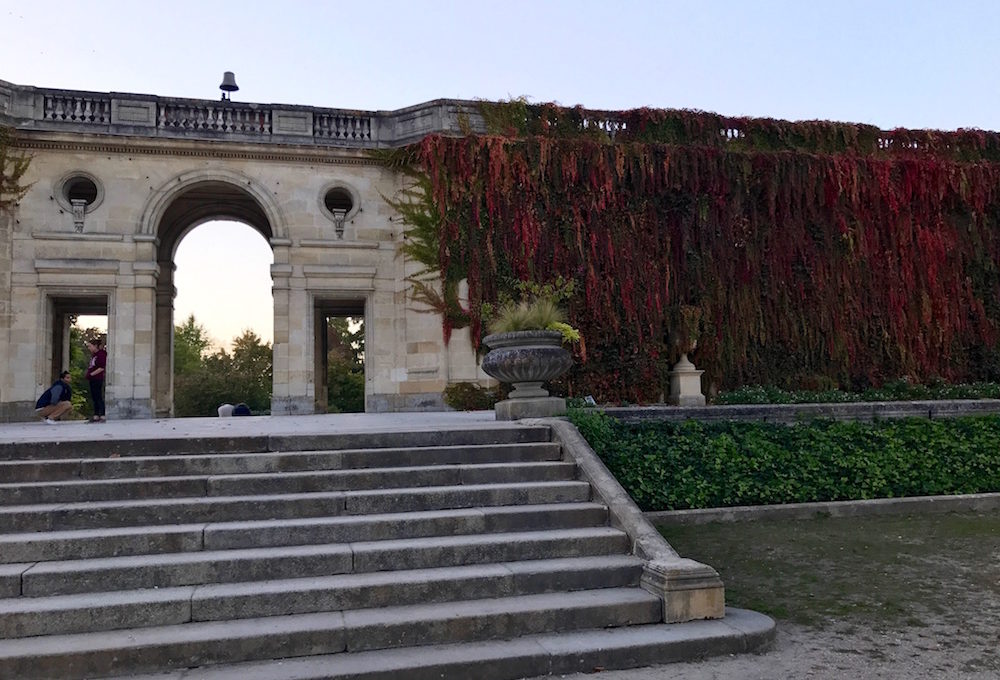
(690, 590)
(537, 407)
(685, 384)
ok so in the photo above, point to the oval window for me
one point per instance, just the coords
(339, 200)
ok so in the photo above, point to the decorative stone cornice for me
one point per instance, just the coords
(338, 243)
(168, 147)
(76, 265)
(74, 236)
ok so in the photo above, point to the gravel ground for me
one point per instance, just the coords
(803, 652)
(909, 598)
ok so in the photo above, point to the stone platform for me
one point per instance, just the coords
(247, 426)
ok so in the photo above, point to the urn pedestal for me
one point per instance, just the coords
(685, 384)
(526, 359)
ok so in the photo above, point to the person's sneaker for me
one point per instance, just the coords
(50, 421)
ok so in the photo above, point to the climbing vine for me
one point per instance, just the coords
(811, 253)
(12, 169)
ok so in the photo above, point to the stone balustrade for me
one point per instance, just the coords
(343, 126)
(221, 117)
(41, 109)
(71, 109)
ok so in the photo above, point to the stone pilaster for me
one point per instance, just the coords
(6, 304)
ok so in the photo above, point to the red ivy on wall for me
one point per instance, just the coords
(818, 253)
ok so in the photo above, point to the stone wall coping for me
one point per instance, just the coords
(979, 502)
(791, 413)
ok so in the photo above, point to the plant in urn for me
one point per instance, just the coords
(526, 351)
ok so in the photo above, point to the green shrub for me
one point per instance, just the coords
(466, 396)
(668, 466)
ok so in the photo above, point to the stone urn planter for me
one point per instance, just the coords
(526, 359)
(685, 379)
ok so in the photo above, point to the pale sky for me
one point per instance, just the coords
(891, 63)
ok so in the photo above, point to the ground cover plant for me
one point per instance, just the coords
(690, 464)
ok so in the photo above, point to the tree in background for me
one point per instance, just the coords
(252, 366)
(203, 381)
(79, 359)
(191, 341)
(345, 371)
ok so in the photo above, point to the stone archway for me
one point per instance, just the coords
(180, 205)
(147, 170)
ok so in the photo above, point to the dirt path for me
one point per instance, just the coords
(803, 652)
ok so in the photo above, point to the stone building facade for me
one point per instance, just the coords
(117, 180)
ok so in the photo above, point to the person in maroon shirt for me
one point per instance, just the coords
(95, 376)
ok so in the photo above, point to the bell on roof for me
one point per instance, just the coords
(228, 84)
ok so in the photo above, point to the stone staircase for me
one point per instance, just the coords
(480, 553)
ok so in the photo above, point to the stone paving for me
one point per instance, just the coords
(171, 428)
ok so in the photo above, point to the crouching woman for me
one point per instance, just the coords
(55, 401)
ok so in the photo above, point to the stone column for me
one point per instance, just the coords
(292, 391)
(280, 276)
(128, 388)
(63, 325)
(118, 390)
(6, 302)
(320, 350)
(300, 369)
(163, 343)
(144, 341)
(28, 362)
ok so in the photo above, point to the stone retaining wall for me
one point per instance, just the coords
(790, 413)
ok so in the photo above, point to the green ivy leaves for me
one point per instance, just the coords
(672, 466)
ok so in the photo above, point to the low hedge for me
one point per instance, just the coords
(672, 466)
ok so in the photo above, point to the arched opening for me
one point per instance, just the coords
(214, 241)
(223, 320)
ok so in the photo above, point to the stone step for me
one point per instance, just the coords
(282, 562)
(10, 578)
(85, 515)
(528, 656)
(43, 546)
(100, 448)
(287, 461)
(85, 655)
(142, 540)
(258, 484)
(89, 612)
(388, 554)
